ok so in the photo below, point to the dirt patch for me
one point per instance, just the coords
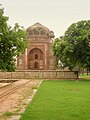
(13, 106)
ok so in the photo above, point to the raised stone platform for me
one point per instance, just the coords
(39, 74)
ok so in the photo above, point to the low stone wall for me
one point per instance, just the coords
(39, 74)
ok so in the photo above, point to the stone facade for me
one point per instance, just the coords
(38, 55)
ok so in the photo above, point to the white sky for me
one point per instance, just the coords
(57, 15)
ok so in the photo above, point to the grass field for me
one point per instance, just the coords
(60, 100)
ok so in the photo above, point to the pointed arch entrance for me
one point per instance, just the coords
(36, 61)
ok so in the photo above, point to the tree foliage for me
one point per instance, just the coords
(73, 49)
(13, 41)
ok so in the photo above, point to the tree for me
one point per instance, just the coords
(13, 42)
(73, 49)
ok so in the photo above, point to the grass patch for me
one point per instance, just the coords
(85, 76)
(60, 100)
(7, 114)
(34, 87)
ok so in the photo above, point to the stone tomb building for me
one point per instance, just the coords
(38, 55)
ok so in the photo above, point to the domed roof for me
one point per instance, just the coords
(37, 26)
(39, 29)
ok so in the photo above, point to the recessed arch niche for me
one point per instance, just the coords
(36, 59)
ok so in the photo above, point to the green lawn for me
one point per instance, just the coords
(60, 100)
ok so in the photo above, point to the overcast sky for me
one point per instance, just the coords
(57, 15)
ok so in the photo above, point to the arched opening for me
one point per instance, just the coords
(35, 59)
(36, 56)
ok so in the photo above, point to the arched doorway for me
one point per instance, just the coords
(36, 65)
(36, 59)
